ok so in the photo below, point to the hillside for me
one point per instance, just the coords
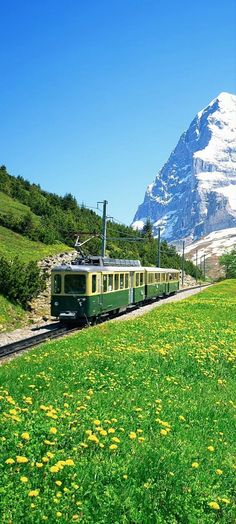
(212, 246)
(51, 219)
(110, 425)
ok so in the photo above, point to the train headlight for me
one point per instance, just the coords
(56, 303)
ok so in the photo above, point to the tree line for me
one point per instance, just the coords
(52, 218)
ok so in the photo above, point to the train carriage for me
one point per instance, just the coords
(86, 290)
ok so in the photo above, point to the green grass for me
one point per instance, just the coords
(12, 245)
(11, 315)
(17, 209)
(162, 385)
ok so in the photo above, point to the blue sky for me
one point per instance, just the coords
(95, 93)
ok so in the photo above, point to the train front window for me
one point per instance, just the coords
(75, 284)
(57, 284)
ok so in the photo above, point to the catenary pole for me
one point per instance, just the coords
(196, 264)
(183, 263)
(159, 248)
(104, 228)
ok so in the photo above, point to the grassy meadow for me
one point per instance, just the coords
(128, 422)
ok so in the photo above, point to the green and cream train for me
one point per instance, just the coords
(89, 289)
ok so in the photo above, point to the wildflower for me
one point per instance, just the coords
(75, 517)
(132, 435)
(141, 439)
(93, 438)
(58, 482)
(111, 430)
(54, 469)
(113, 447)
(49, 442)
(53, 431)
(21, 460)
(125, 477)
(25, 435)
(219, 471)
(115, 439)
(58, 514)
(97, 422)
(33, 493)
(195, 465)
(9, 461)
(163, 432)
(39, 465)
(50, 454)
(103, 433)
(214, 505)
(182, 419)
(45, 459)
(211, 448)
(69, 462)
(24, 479)
(226, 501)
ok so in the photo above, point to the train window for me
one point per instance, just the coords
(75, 284)
(151, 278)
(126, 280)
(104, 283)
(121, 280)
(116, 281)
(110, 282)
(137, 279)
(141, 279)
(163, 277)
(94, 283)
(57, 283)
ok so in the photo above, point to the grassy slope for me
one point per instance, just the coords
(11, 315)
(163, 385)
(12, 245)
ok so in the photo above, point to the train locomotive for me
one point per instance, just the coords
(91, 288)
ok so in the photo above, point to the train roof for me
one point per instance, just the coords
(98, 269)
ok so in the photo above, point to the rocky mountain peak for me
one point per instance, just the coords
(195, 191)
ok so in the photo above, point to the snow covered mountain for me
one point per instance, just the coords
(195, 191)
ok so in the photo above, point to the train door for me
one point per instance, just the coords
(131, 288)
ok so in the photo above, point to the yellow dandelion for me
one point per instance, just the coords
(132, 435)
(49, 442)
(214, 505)
(33, 493)
(93, 438)
(10, 461)
(58, 482)
(53, 430)
(195, 465)
(25, 435)
(75, 517)
(115, 439)
(112, 447)
(103, 433)
(125, 477)
(182, 419)
(54, 469)
(141, 439)
(24, 479)
(50, 454)
(69, 462)
(219, 471)
(163, 432)
(58, 514)
(211, 448)
(226, 501)
(21, 460)
(111, 430)
(96, 422)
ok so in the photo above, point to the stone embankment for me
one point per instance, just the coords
(40, 306)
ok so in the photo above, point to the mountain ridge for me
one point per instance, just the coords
(195, 191)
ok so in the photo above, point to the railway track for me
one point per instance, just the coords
(54, 331)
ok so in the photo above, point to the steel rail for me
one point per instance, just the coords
(35, 340)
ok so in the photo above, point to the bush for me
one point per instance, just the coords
(20, 282)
